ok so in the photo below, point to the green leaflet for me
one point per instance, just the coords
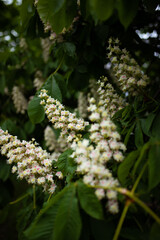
(126, 165)
(138, 135)
(59, 218)
(66, 164)
(127, 11)
(35, 110)
(89, 202)
(4, 170)
(68, 220)
(154, 165)
(53, 89)
(101, 9)
(58, 13)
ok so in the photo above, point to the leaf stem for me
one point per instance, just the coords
(127, 205)
(34, 197)
(19, 199)
(121, 220)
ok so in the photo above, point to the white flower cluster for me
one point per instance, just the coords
(92, 155)
(19, 100)
(46, 44)
(126, 70)
(57, 145)
(31, 162)
(39, 80)
(108, 97)
(82, 105)
(69, 124)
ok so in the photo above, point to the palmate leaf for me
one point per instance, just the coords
(53, 89)
(59, 219)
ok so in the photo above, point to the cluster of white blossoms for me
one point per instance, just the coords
(56, 146)
(29, 161)
(92, 155)
(126, 70)
(108, 98)
(69, 124)
(19, 100)
(23, 44)
(46, 44)
(82, 105)
(39, 80)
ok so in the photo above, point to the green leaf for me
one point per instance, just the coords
(68, 221)
(53, 89)
(35, 110)
(154, 166)
(89, 202)
(155, 129)
(129, 134)
(9, 125)
(59, 13)
(43, 225)
(66, 164)
(138, 135)
(127, 11)
(4, 170)
(69, 49)
(141, 157)
(101, 9)
(126, 165)
(155, 232)
(29, 127)
(27, 10)
(147, 123)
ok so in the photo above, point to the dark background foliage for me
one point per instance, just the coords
(81, 56)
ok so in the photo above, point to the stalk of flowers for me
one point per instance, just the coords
(127, 71)
(30, 161)
(19, 100)
(82, 105)
(93, 88)
(92, 155)
(39, 80)
(46, 44)
(109, 98)
(69, 124)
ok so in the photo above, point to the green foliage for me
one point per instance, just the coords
(53, 89)
(35, 110)
(78, 40)
(59, 14)
(89, 202)
(66, 165)
(127, 11)
(58, 219)
(153, 165)
(126, 165)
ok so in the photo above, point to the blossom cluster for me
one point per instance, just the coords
(82, 105)
(128, 73)
(39, 80)
(19, 100)
(29, 161)
(69, 124)
(46, 44)
(108, 97)
(56, 146)
(92, 155)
